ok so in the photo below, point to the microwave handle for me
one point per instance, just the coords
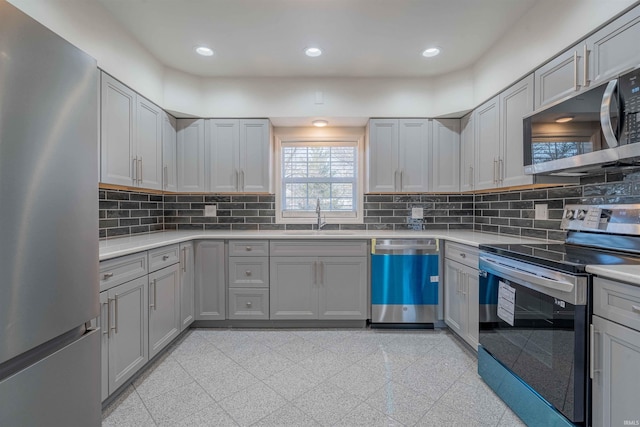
(605, 115)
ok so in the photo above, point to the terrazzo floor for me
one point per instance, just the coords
(224, 377)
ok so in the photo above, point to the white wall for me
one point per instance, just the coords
(547, 28)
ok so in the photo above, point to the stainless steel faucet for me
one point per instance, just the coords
(318, 211)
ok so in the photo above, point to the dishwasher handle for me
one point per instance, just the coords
(423, 246)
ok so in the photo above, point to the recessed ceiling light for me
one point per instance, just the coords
(432, 51)
(320, 123)
(204, 51)
(564, 119)
(313, 51)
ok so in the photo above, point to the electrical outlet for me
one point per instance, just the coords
(417, 213)
(542, 211)
(210, 210)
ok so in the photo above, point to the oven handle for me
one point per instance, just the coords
(532, 278)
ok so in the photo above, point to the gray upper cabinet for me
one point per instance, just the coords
(487, 143)
(190, 155)
(515, 102)
(164, 307)
(499, 159)
(187, 285)
(238, 155)
(446, 155)
(131, 137)
(399, 155)
(210, 282)
(613, 49)
(559, 77)
(169, 152)
(467, 153)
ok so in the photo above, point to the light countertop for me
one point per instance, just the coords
(115, 247)
(623, 273)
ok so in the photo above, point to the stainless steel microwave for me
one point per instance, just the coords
(590, 132)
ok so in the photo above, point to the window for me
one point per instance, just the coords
(325, 169)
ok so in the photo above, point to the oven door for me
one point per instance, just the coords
(540, 338)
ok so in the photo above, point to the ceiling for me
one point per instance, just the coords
(359, 38)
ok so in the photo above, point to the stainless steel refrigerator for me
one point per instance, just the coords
(49, 355)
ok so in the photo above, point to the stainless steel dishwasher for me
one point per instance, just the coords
(404, 282)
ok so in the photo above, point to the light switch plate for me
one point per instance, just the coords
(210, 210)
(542, 211)
(417, 213)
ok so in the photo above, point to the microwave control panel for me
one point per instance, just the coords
(630, 94)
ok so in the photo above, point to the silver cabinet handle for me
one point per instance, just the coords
(153, 303)
(471, 176)
(465, 282)
(592, 352)
(165, 177)
(165, 257)
(105, 324)
(116, 314)
(501, 169)
(249, 248)
(155, 294)
(248, 304)
(134, 170)
(106, 276)
(322, 269)
(585, 55)
(495, 174)
(605, 115)
(395, 180)
(401, 179)
(237, 183)
(315, 272)
(184, 259)
(247, 273)
(242, 176)
(635, 308)
(576, 85)
(140, 161)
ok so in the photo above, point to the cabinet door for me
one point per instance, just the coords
(104, 345)
(223, 155)
(383, 155)
(487, 143)
(164, 307)
(148, 127)
(454, 308)
(190, 155)
(445, 163)
(169, 141)
(294, 288)
(210, 286)
(616, 375)
(342, 288)
(472, 286)
(559, 77)
(187, 284)
(467, 153)
(414, 156)
(515, 102)
(117, 115)
(128, 343)
(255, 160)
(614, 48)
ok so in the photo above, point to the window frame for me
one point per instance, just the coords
(330, 217)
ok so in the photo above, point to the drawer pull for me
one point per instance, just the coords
(248, 248)
(106, 276)
(249, 304)
(463, 255)
(248, 272)
(165, 257)
(635, 308)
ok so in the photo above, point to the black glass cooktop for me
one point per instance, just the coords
(560, 256)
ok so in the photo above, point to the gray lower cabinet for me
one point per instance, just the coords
(615, 353)
(123, 320)
(187, 285)
(248, 303)
(210, 285)
(318, 287)
(248, 274)
(164, 307)
(461, 291)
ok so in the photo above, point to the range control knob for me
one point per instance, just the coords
(568, 214)
(581, 214)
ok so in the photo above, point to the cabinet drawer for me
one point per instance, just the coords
(248, 248)
(248, 272)
(464, 254)
(248, 303)
(120, 270)
(617, 301)
(163, 257)
(319, 248)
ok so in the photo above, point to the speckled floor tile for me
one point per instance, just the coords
(475, 401)
(212, 415)
(293, 382)
(366, 416)
(164, 377)
(127, 411)
(400, 403)
(444, 416)
(326, 403)
(298, 349)
(252, 404)
(287, 416)
(175, 405)
(358, 381)
(325, 363)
